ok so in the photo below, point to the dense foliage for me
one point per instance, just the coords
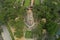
(13, 14)
(48, 10)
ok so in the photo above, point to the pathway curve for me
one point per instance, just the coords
(5, 33)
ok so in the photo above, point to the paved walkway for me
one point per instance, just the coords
(32, 2)
(30, 19)
(5, 33)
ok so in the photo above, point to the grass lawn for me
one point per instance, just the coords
(37, 2)
(28, 34)
(27, 3)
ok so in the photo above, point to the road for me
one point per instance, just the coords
(5, 33)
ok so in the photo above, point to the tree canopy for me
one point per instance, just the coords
(48, 10)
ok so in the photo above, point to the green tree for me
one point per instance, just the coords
(9, 11)
(48, 10)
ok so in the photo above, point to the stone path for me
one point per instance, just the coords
(5, 33)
